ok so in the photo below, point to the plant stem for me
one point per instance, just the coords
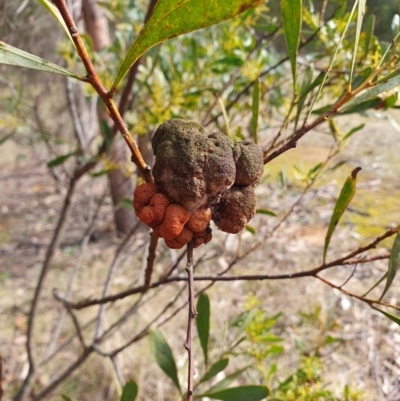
(192, 313)
(105, 96)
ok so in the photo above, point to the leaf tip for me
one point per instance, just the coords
(355, 172)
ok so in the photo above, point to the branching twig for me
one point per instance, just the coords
(38, 290)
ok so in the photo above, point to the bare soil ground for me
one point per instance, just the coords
(368, 358)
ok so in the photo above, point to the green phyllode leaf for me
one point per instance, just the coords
(60, 160)
(394, 264)
(203, 323)
(12, 56)
(172, 18)
(393, 318)
(291, 14)
(130, 391)
(215, 368)
(384, 86)
(162, 353)
(242, 393)
(345, 197)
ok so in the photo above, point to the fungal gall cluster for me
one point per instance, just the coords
(198, 177)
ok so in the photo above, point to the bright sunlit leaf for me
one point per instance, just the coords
(12, 56)
(172, 18)
(291, 14)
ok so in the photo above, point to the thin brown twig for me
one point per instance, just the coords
(38, 290)
(349, 94)
(342, 261)
(151, 258)
(192, 313)
(105, 96)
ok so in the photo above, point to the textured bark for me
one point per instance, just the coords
(121, 186)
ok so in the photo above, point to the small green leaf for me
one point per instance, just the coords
(125, 203)
(389, 315)
(291, 14)
(384, 86)
(394, 264)
(171, 18)
(266, 211)
(242, 393)
(65, 397)
(255, 109)
(215, 368)
(224, 383)
(203, 323)
(60, 160)
(12, 56)
(391, 100)
(162, 353)
(251, 230)
(345, 197)
(129, 392)
(353, 131)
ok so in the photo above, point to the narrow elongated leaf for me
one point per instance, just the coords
(394, 264)
(345, 197)
(12, 56)
(393, 318)
(172, 18)
(215, 368)
(224, 383)
(163, 355)
(375, 285)
(50, 7)
(360, 16)
(291, 14)
(384, 86)
(248, 393)
(60, 160)
(255, 109)
(305, 85)
(203, 323)
(130, 391)
(353, 131)
(251, 229)
(265, 211)
(369, 31)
